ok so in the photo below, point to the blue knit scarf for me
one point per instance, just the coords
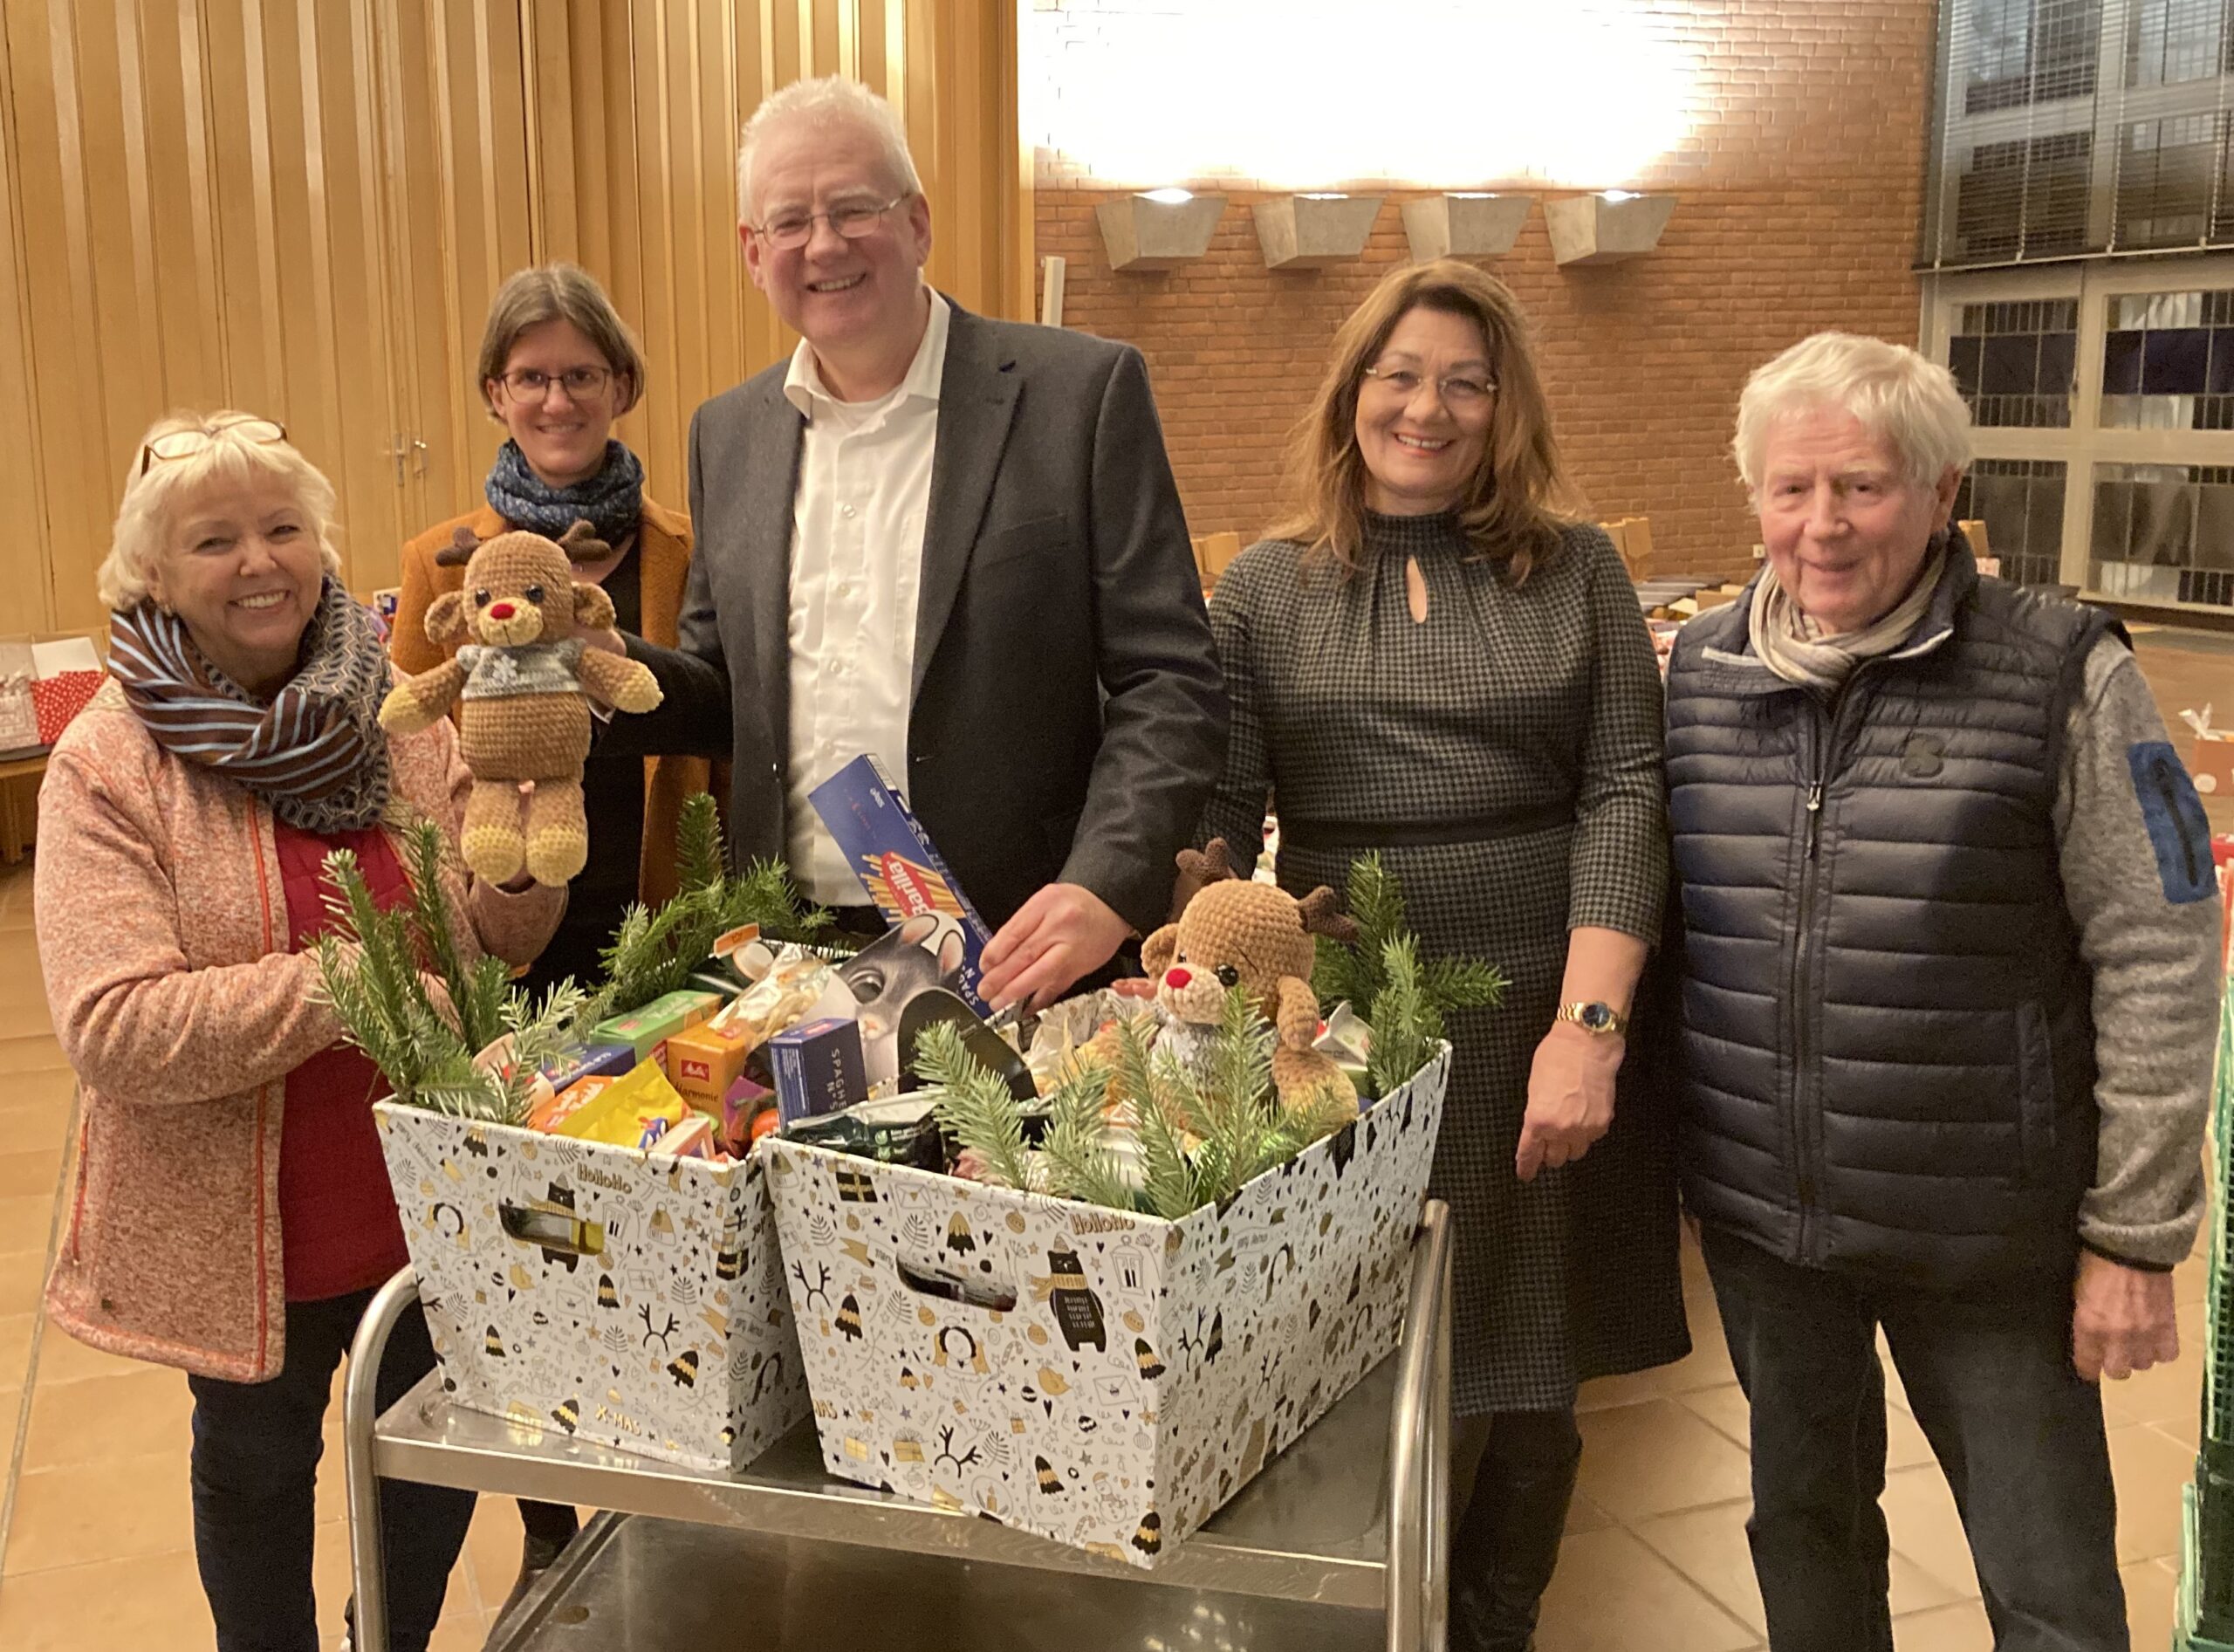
(612, 500)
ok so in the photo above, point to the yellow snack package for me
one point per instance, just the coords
(627, 1112)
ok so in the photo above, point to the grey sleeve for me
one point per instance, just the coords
(2137, 879)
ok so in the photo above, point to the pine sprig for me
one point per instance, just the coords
(656, 952)
(1076, 1147)
(976, 1108)
(1406, 1005)
(370, 970)
(1406, 1022)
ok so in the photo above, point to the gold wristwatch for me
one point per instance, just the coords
(1600, 1020)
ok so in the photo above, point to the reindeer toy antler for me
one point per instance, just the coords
(522, 680)
(1237, 932)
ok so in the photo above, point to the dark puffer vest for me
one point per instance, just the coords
(1889, 1057)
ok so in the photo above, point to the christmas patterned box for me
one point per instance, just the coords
(1104, 1379)
(630, 1300)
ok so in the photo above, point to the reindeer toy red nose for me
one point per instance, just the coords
(500, 610)
(1176, 979)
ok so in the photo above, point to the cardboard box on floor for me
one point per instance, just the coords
(1981, 548)
(1212, 552)
(1632, 536)
(42, 654)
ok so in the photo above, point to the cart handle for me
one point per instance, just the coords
(1419, 1448)
(359, 1411)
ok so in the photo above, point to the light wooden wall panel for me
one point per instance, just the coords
(26, 601)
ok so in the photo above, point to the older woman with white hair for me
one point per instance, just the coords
(232, 1215)
(1949, 1011)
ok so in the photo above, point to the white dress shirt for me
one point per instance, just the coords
(857, 559)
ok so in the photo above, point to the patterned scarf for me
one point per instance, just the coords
(315, 751)
(1794, 648)
(612, 500)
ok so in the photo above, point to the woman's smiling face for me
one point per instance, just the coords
(242, 566)
(1420, 435)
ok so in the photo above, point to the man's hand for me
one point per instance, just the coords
(1060, 934)
(1570, 1098)
(2122, 1319)
(609, 639)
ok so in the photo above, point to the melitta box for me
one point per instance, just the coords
(1104, 1379)
(632, 1300)
(892, 855)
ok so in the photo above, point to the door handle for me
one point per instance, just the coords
(419, 456)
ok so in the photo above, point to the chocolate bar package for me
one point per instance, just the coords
(892, 855)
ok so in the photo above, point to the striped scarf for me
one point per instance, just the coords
(315, 751)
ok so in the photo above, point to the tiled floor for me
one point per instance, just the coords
(95, 1538)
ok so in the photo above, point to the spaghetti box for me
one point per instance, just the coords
(891, 853)
(817, 1067)
(647, 1030)
(703, 1061)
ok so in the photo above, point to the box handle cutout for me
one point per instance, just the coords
(549, 1230)
(978, 1294)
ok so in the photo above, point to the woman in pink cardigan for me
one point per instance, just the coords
(231, 1213)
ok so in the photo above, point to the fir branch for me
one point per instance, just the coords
(1406, 1022)
(1465, 983)
(976, 1108)
(698, 843)
(1168, 1184)
(430, 914)
(1076, 1145)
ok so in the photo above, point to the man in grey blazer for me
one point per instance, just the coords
(951, 542)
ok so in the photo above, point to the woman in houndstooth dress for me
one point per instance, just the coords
(1428, 664)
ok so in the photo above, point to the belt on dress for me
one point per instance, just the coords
(1418, 834)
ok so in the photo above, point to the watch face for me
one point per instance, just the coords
(1596, 1016)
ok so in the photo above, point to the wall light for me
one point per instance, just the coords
(1468, 224)
(1607, 227)
(1158, 229)
(1311, 231)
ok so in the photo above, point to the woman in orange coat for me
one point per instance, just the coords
(557, 367)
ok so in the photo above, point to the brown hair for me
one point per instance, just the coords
(557, 292)
(1512, 509)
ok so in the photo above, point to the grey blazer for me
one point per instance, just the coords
(1068, 719)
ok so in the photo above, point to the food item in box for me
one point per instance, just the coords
(644, 1030)
(610, 1060)
(549, 1115)
(741, 1105)
(904, 873)
(795, 984)
(703, 1061)
(817, 1067)
(624, 1110)
(896, 1130)
(691, 1139)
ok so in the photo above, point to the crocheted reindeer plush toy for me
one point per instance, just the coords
(1235, 931)
(523, 680)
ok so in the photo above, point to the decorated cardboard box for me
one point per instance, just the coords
(1102, 1378)
(630, 1300)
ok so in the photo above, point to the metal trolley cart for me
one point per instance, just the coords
(1340, 1543)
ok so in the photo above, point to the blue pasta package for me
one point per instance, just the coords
(905, 877)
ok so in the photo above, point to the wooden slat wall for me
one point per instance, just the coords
(301, 207)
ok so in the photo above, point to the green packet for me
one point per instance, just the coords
(895, 1130)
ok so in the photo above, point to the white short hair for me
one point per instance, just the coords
(822, 103)
(1908, 403)
(153, 491)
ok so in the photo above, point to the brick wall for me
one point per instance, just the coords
(1797, 199)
